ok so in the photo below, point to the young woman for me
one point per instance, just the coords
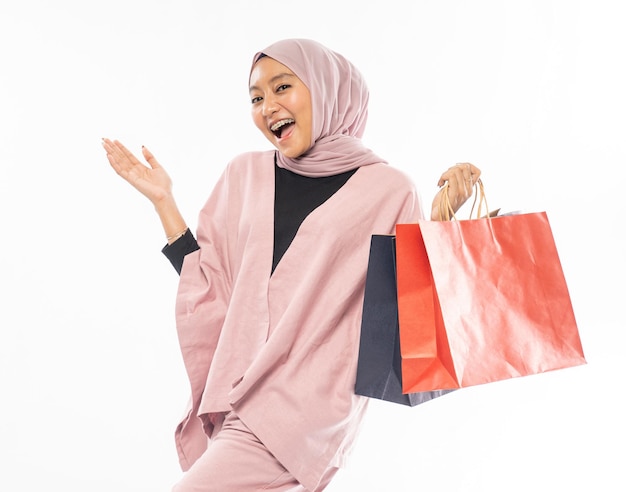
(271, 291)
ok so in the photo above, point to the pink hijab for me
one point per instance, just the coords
(339, 97)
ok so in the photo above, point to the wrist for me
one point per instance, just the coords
(176, 236)
(173, 223)
(164, 203)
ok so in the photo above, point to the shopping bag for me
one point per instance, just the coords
(378, 370)
(482, 300)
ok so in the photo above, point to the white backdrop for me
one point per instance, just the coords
(91, 379)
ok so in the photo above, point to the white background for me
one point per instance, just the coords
(91, 379)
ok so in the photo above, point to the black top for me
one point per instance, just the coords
(296, 196)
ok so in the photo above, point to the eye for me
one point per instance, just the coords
(282, 87)
(256, 99)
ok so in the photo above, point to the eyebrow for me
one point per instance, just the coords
(273, 79)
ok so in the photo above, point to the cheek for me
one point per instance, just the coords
(305, 111)
(308, 124)
(257, 118)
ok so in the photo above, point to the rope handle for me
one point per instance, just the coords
(446, 212)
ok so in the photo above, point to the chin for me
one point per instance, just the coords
(291, 155)
(291, 152)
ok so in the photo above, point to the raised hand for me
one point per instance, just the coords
(152, 181)
(460, 180)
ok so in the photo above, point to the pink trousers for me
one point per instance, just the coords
(236, 461)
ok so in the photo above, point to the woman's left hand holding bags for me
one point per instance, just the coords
(460, 179)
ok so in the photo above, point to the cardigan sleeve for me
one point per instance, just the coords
(180, 248)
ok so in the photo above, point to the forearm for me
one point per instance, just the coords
(173, 223)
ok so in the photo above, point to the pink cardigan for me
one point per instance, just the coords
(281, 351)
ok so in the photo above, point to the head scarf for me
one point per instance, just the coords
(339, 98)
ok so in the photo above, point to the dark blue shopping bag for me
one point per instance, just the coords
(379, 372)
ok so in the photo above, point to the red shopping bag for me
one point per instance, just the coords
(482, 300)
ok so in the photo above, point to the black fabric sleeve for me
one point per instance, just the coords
(180, 248)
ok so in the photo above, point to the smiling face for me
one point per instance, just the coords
(281, 107)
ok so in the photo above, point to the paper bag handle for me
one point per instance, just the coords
(446, 212)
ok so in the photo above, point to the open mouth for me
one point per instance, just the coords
(282, 127)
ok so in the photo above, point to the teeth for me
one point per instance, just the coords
(281, 123)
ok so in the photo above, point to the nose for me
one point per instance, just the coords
(269, 105)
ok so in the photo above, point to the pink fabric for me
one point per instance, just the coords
(339, 97)
(282, 350)
(237, 461)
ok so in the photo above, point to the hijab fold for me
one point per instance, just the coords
(339, 99)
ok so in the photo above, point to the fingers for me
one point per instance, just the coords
(461, 175)
(113, 154)
(124, 163)
(461, 172)
(475, 172)
(119, 152)
(121, 157)
(460, 179)
(154, 164)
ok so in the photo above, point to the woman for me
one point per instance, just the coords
(270, 295)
